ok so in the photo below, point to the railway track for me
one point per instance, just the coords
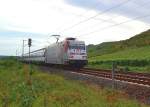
(122, 72)
(140, 89)
(138, 78)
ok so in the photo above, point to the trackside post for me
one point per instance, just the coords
(113, 74)
(29, 45)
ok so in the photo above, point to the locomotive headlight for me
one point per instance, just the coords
(84, 57)
(71, 56)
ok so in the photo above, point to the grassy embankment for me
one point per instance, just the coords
(17, 89)
(135, 59)
(133, 53)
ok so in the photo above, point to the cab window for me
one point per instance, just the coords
(81, 47)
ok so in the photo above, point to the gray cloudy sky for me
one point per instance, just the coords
(94, 21)
(129, 8)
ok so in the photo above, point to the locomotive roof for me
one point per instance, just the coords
(76, 42)
(71, 41)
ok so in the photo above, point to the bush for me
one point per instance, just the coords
(140, 63)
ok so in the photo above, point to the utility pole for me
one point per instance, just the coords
(29, 45)
(23, 47)
(16, 53)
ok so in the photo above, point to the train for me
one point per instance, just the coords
(69, 52)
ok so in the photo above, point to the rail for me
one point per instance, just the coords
(138, 78)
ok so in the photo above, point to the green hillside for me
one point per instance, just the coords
(133, 53)
(137, 41)
(142, 53)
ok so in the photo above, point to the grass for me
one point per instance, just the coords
(134, 59)
(21, 88)
(145, 69)
(130, 54)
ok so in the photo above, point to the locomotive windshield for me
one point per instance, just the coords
(81, 47)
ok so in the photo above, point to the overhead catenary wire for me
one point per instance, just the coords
(98, 14)
(111, 19)
(114, 25)
(94, 18)
(82, 14)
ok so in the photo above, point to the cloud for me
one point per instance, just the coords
(129, 9)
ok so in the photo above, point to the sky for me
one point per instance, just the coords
(93, 21)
